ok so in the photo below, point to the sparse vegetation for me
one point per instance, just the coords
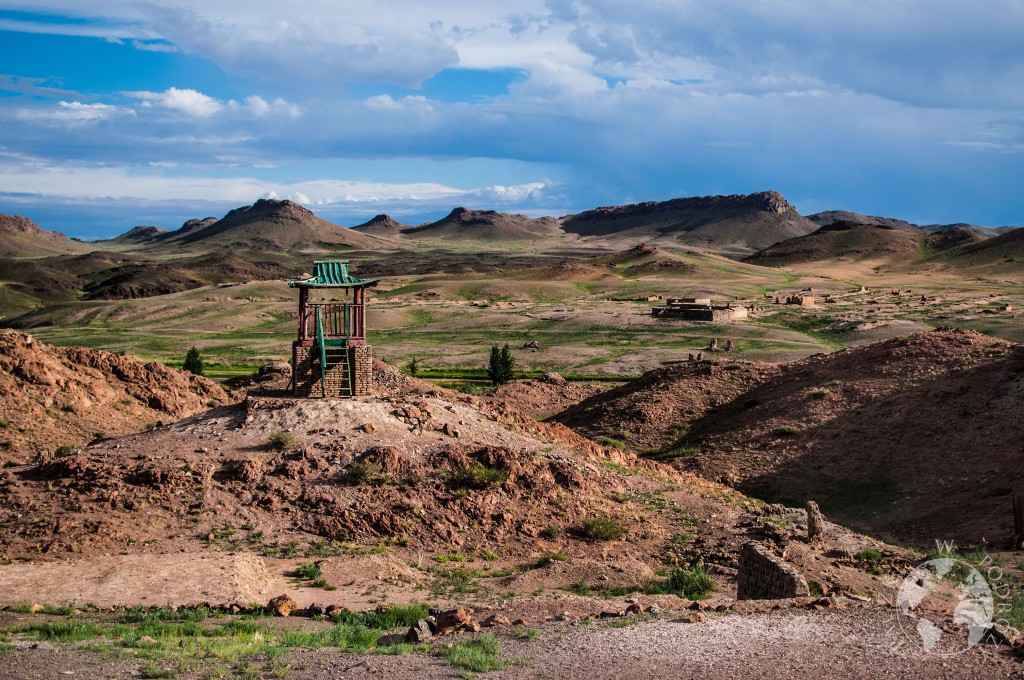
(477, 656)
(548, 558)
(786, 431)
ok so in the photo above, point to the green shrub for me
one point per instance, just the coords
(786, 431)
(477, 476)
(868, 555)
(488, 556)
(310, 570)
(692, 583)
(283, 441)
(63, 451)
(601, 529)
(553, 531)
(819, 393)
(361, 472)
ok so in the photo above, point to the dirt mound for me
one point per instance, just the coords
(541, 397)
(753, 221)
(53, 396)
(654, 411)
(487, 225)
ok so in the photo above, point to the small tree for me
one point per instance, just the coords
(193, 362)
(414, 367)
(501, 365)
(508, 364)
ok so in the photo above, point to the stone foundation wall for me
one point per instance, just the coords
(307, 373)
(763, 575)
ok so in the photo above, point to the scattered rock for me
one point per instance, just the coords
(455, 621)
(496, 620)
(282, 605)
(421, 632)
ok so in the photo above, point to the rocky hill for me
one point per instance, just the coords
(753, 221)
(274, 226)
(832, 216)
(914, 438)
(1003, 254)
(487, 225)
(846, 240)
(384, 226)
(843, 240)
(52, 397)
(20, 237)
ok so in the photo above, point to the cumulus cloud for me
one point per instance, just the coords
(189, 102)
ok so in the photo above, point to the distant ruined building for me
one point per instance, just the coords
(699, 309)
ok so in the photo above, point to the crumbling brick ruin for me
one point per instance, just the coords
(763, 575)
(699, 309)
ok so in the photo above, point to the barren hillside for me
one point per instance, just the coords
(916, 438)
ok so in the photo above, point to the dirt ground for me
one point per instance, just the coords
(793, 644)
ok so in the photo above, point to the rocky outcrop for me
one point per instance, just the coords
(52, 397)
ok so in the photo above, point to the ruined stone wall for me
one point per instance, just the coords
(763, 575)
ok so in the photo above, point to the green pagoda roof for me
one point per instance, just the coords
(331, 274)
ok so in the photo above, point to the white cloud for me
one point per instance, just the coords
(189, 102)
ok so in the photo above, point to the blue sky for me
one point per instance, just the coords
(118, 114)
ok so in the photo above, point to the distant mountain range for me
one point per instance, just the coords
(271, 239)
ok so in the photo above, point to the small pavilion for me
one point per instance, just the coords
(330, 358)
